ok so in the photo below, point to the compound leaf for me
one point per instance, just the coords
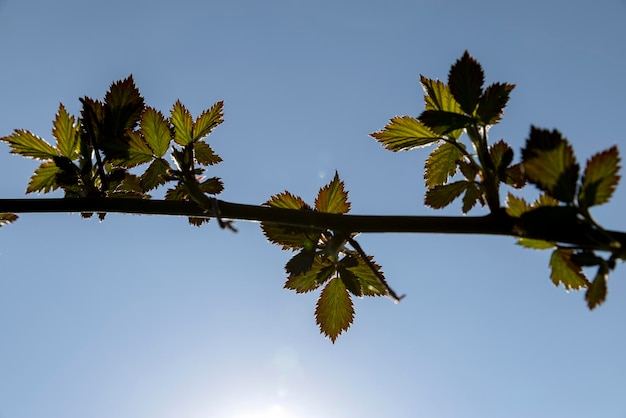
(67, 133)
(156, 131)
(212, 185)
(204, 154)
(138, 151)
(466, 78)
(600, 178)
(289, 237)
(441, 164)
(334, 311)
(473, 194)
(29, 145)
(371, 284)
(153, 177)
(320, 271)
(207, 121)
(565, 271)
(549, 163)
(442, 122)
(403, 133)
(492, 103)
(438, 96)
(183, 124)
(333, 198)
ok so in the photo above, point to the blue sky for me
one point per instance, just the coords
(149, 317)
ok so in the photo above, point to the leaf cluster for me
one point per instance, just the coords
(94, 153)
(323, 258)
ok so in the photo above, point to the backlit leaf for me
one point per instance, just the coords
(204, 154)
(370, 283)
(443, 123)
(321, 270)
(549, 163)
(156, 131)
(66, 132)
(153, 176)
(438, 96)
(597, 291)
(535, 244)
(7, 218)
(501, 155)
(333, 198)
(334, 311)
(183, 124)
(465, 79)
(123, 106)
(600, 178)
(350, 281)
(138, 151)
(300, 263)
(289, 237)
(473, 195)
(404, 133)
(492, 103)
(516, 206)
(441, 196)
(29, 145)
(441, 164)
(207, 121)
(44, 178)
(212, 185)
(565, 272)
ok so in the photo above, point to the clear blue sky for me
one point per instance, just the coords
(149, 317)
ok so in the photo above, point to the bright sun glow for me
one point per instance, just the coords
(274, 411)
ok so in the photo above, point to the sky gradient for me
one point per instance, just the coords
(149, 317)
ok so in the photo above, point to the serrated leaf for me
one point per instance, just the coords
(123, 106)
(438, 96)
(350, 281)
(370, 283)
(565, 272)
(441, 164)
(286, 236)
(138, 151)
(44, 178)
(549, 163)
(492, 103)
(472, 195)
(600, 178)
(535, 244)
(501, 155)
(204, 154)
(404, 133)
(196, 221)
(183, 124)
(597, 291)
(212, 185)
(66, 132)
(516, 206)
(444, 123)
(7, 218)
(333, 198)
(156, 131)
(334, 312)
(207, 121)
(468, 170)
(300, 263)
(29, 145)
(465, 80)
(153, 177)
(441, 196)
(321, 270)
(514, 176)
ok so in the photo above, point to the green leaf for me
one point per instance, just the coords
(444, 123)
(333, 198)
(196, 221)
(492, 103)
(156, 131)
(44, 178)
(7, 218)
(516, 206)
(350, 281)
(183, 124)
(153, 177)
(441, 164)
(370, 283)
(204, 154)
(212, 185)
(29, 145)
(597, 291)
(438, 96)
(289, 237)
(465, 79)
(138, 151)
(207, 121)
(300, 263)
(549, 163)
(473, 195)
(320, 271)
(514, 176)
(535, 244)
(600, 178)
(67, 133)
(565, 272)
(177, 192)
(403, 133)
(501, 155)
(123, 106)
(441, 196)
(334, 311)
